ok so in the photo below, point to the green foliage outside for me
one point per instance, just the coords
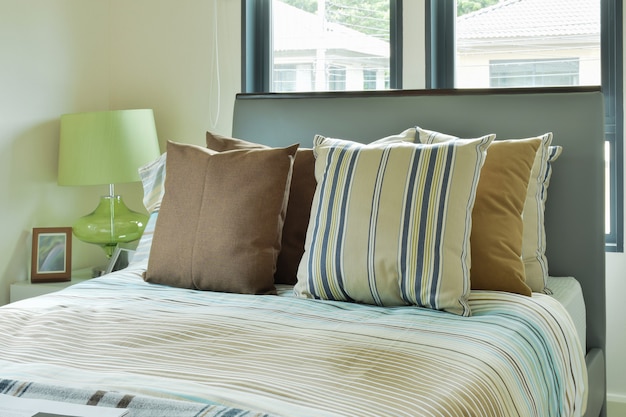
(367, 16)
(371, 16)
(468, 6)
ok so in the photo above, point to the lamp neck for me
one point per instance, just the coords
(112, 209)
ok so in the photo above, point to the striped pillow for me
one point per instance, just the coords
(498, 227)
(534, 242)
(153, 180)
(390, 223)
(535, 263)
(142, 253)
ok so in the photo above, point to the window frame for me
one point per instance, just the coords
(440, 68)
(256, 51)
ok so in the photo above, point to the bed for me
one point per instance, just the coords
(194, 326)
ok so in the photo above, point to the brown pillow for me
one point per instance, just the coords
(298, 209)
(497, 225)
(220, 223)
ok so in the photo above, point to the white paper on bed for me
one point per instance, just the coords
(297, 357)
(24, 407)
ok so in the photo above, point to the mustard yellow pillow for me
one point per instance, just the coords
(497, 225)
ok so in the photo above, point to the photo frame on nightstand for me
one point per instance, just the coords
(51, 257)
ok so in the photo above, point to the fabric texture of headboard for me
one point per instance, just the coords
(575, 207)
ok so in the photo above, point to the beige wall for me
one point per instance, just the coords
(65, 56)
(61, 56)
(164, 56)
(54, 60)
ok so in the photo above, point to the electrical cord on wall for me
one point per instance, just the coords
(214, 99)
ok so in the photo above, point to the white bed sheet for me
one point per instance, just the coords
(569, 293)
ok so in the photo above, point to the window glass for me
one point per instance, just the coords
(322, 45)
(531, 43)
(538, 43)
(533, 72)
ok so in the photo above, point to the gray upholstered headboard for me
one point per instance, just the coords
(575, 207)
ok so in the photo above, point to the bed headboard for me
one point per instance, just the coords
(575, 207)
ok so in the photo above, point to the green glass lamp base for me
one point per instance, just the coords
(109, 224)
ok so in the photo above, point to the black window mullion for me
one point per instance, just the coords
(395, 41)
(440, 43)
(256, 50)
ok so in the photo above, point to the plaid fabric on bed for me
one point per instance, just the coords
(137, 405)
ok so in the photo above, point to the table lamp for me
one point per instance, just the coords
(107, 147)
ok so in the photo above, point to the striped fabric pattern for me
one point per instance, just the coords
(142, 253)
(390, 223)
(534, 235)
(534, 242)
(152, 177)
(153, 180)
(137, 405)
(515, 356)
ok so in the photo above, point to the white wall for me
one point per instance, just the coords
(61, 56)
(65, 56)
(164, 56)
(54, 60)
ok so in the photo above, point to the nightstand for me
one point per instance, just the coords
(25, 289)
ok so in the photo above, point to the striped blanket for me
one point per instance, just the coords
(516, 355)
(137, 405)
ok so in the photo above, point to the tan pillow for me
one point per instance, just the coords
(298, 209)
(497, 226)
(497, 216)
(220, 223)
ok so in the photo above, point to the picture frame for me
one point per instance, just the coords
(122, 255)
(51, 257)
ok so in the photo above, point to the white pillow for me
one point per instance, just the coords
(153, 179)
(534, 239)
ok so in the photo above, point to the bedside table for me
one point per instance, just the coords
(26, 289)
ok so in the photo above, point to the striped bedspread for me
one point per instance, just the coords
(137, 406)
(516, 356)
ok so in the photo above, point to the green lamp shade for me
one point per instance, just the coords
(107, 147)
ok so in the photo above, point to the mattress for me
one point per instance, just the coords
(569, 293)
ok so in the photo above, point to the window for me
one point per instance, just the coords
(336, 77)
(324, 45)
(321, 45)
(533, 73)
(370, 78)
(532, 43)
(292, 77)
